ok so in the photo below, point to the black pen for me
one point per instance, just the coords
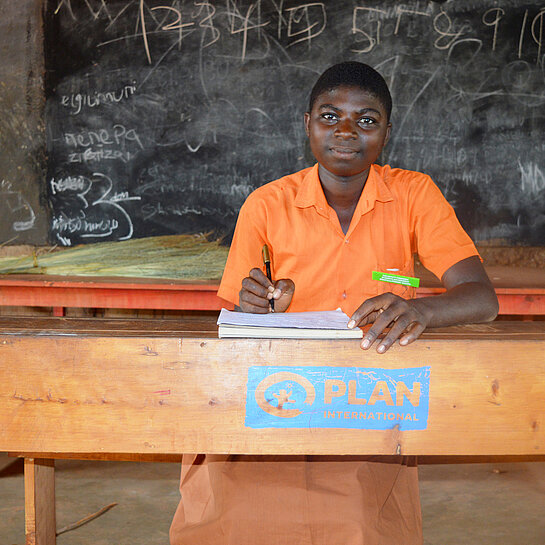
(267, 262)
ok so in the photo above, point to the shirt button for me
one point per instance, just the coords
(344, 295)
(346, 241)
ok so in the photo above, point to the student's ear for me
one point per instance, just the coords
(388, 133)
(307, 123)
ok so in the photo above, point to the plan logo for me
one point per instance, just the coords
(337, 397)
(283, 398)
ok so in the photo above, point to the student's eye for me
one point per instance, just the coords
(328, 116)
(366, 121)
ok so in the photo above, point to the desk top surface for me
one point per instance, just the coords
(205, 326)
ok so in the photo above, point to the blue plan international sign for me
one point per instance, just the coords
(337, 397)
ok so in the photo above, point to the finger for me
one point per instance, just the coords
(382, 321)
(249, 302)
(397, 329)
(285, 286)
(253, 294)
(283, 294)
(253, 286)
(413, 332)
(254, 309)
(368, 311)
(259, 276)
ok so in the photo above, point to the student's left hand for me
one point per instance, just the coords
(469, 298)
(406, 318)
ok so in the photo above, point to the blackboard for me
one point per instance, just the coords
(161, 117)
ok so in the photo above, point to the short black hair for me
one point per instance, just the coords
(353, 74)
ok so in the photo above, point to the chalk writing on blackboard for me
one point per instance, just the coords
(100, 212)
(76, 102)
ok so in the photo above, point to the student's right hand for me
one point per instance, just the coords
(257, 290)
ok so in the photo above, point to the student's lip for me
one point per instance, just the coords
(342, 150)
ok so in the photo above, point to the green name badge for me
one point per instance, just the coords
(396, 279)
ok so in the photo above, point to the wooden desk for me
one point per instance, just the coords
(521, 291)
(116, 389)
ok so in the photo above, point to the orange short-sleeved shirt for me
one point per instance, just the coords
(400, 213)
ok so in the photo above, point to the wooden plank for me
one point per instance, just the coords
(177, 458)
(197, 326)
(201, 325)
(107, 456)
(40, 501)
(109, 292)
(168, 395)
(525, 302)
(118, 296)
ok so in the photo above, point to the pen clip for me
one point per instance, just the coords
(266, 256)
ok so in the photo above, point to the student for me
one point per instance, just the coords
(327, 228)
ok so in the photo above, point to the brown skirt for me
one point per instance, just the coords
(300, 500)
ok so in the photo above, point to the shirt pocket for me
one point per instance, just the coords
(401, 269)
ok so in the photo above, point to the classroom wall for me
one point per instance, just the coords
(23, 219)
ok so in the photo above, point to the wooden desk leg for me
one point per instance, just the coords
(40, 524)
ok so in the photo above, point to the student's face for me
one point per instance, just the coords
(347, 129)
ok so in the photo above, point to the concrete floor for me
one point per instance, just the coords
(473, 504)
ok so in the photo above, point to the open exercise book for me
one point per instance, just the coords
(329, 324)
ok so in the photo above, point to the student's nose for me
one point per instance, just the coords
(346, 128)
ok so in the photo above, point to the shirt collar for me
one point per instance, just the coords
(375, 190)
(310, 192)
